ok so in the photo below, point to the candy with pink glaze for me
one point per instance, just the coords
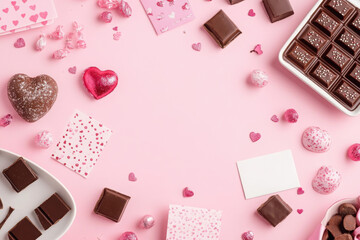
(327, 180)
(316, 140)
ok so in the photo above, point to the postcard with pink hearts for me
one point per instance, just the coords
(167, 14)
(20, 15)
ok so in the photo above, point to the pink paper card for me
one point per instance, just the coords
(193, 223)
(20, 15)
(167, 14)
(81, 144)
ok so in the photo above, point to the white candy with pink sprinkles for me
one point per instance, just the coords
(316, 140)
(44, 139)
(327, 180)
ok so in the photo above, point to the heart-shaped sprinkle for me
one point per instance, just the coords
(115, 28)
(254, 137)
(187, 192)
(300, 211)
(257, 49)
(196, 47)
(72, 70)
(274, 118)
(251, 13)
(100, 83)
(32, 98)
(300, 191)
(20, 42)
(132, 177)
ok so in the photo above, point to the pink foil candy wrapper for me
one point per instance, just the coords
(58, 33)
(108, 4)
(40, 43)
(319, 230)
(61, 53)
(125, 9)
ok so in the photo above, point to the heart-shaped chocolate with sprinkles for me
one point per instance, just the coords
(32, 98)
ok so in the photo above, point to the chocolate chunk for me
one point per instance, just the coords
(323, 74)
(111, 204)
(355, 24)
(312, 39)
(349, 96)
(6, 217)
(347, 209)
(348, 41)
(278, 9)
(222, 29)
(336, 58)
(274, 210)
(349, 223)
(334, 225)
(232, 2)
(344, 236)
(20, 175)
(52, 210)
(300, 56)
(326, 235)
(24, 230)
(326, 23)
(339, 8)
(354, 74)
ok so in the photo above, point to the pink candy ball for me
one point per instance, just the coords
(147, 222)
(291, 115)
(249, 235)
(44, 139)
(327, 180)
(128, 236)
(354, 152)
(259, 78)
(316, 140)
(106, 17)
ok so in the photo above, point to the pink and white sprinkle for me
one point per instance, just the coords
(44, 139)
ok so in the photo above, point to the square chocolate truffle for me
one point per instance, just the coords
(347, 94)
(340, 8)
(300, 56)
(311, 38)
(326, 23)
(354, 74)
(278, 9)
(20, 175)
(336, 58)
(274, 210)
(111, 204)
(348, 41)
(52, 210)
(24, 230)
(354, 24)
(222, 29)
(232, 2)
(323, 74)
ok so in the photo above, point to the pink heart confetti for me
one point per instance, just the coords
(116, 36)
(32, 7)
(254, 137)
(300, 211)
(72, 70)
(16, 8)
(3, 27)
(187, 192)
(257, 49)
(115, 28)
(132, 177)
(13, 3)
(5, 10)
(300, 191)
(23, 15)
(251, 13)
(24, 1)
(196, 47)
(34, 18)
(275, 118)
(19, 43)
(15, 22)
(43, 14)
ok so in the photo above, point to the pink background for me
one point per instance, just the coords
(181, 118)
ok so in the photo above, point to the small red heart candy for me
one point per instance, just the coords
(100, 83)
(187, 192)
(300, 191)
(300, 211)
(254, 137)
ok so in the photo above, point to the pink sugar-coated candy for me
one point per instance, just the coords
(106, 17)
(61, 53)
(259, 78)
(20, 43)
(58, 33)
(356, 233)
(291, 115)
(40, 43)
(44, 139)
(128, 236)
(187, 192)
(354, 152)
(316, 140)
(249, 235)
(108, 4)
(125, 9)
(147, 222)
(326, 180)
(132, 177)
(6, 120)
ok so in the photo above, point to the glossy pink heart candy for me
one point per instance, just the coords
(100, 83)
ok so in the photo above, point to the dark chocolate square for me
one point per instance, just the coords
(340, 8)
(354, 74)
(111, 204)
(300, 56)
(313, 39)
(222, 29)
(24, 230)
(278, 9)
(354, 24)
(336, 58)
(20, 175)
(348, 41)
(326, 23)
(323, 74)
(274, 210)
(52, 210)
(232, 2)
(347, 94)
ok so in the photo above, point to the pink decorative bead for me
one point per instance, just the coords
(326, 181)
(109, 4)
(44, 139)
(40, 43)
(106, 17)
(147, 222)
(58, 33)
(125, 9)
(259, 78)
(128, 236)
(249, 235)
(354, 152)
(291, 115)
(5, 121)
(61, 53)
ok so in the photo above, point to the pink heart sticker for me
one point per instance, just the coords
(43, 14)
(187, 192)
(5, 10)
(254, 137)
(15, 22)
(32, 7)
(251, 13)
(23, 15)
(34, 18)
(3, 27)
(13, 3)
(132, 177)
(72, 70)
(275, 118)
(196, 47)
(300, 211)
(300, 191)
(16, 8)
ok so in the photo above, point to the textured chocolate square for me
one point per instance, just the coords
(20, 175)
(348, 41)
(339, 8)
(323, 74)
(354, 74)
(326, 23)
(347, 94)
(24, 230)
(52, 210)
(278, 9)
(313, 39)
(111, 204)
(336, 58)
(274, 210)
(300, 56)
(355, 23)
(222, 29)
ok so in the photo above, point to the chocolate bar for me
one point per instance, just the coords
(222, 29)
(52, 210)
(24, 230)
(274, 210)
(20, 175)
(111, 204)
(278, 9)
(327, 51)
